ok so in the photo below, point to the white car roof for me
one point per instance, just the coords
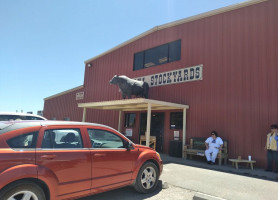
(22, 114)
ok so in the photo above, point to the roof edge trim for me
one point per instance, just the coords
(64, 92)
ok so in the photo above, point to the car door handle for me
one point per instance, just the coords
(48, 157)
(99, 155)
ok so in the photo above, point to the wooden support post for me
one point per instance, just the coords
(184, 131)
(120, 120)
(148, 125)
(84, 115)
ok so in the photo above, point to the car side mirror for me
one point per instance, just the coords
(129, 146)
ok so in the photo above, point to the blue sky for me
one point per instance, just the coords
(43, 44)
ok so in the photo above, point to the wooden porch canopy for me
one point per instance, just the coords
(139, 104)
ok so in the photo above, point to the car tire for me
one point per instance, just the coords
(147, 178)
(23, 190)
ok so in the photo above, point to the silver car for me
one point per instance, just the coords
(8, 116)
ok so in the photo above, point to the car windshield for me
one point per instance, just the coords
(4, 125)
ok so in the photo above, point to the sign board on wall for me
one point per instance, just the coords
(176, 135)
(79, 95)
(193, 73)
(128, 132)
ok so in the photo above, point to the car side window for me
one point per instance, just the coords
(33, 118)
(62, 139)
(105, 139)
(9, 117)
(28, 140)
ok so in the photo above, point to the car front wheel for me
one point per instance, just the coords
(23, 190)
(147, 178)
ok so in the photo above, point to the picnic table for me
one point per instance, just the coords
(236, 161)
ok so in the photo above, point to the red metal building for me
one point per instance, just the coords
(234, 90)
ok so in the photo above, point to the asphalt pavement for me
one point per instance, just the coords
(196, 180)
(128, 193)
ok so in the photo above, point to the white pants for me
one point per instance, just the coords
(211, 154)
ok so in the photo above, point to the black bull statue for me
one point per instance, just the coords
(130, 86)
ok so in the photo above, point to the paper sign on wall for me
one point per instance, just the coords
(176, 135)
(128, 132)
(79, 95)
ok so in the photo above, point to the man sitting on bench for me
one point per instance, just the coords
(213, 145)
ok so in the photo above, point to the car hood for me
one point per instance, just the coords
(142, 147)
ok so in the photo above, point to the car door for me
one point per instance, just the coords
(62, 153)
(112, 163)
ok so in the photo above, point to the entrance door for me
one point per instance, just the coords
(157, 128)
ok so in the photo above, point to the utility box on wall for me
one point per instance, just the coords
(175, 148)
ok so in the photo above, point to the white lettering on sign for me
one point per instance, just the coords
(79, 95)
(176, 76)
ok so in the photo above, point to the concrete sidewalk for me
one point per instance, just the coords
(207, 184)
(256, 173)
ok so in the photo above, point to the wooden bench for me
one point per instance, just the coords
(197, 147)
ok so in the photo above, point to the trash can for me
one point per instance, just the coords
(175, 148)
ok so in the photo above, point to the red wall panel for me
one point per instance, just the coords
(63, 106)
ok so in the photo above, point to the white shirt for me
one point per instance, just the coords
(214, 143)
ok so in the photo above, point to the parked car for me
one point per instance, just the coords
(54, 160)
(8, 116)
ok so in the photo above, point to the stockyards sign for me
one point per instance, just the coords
(194, 73)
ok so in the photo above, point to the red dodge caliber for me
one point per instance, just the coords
(52, 160)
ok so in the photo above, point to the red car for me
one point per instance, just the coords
(52, 160)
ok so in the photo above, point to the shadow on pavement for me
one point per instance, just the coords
(125, 193)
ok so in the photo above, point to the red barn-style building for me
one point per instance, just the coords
(223, 64)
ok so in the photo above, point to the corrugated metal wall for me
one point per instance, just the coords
(63, 106)
(238, 95)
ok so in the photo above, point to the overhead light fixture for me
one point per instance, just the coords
(89, 65)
